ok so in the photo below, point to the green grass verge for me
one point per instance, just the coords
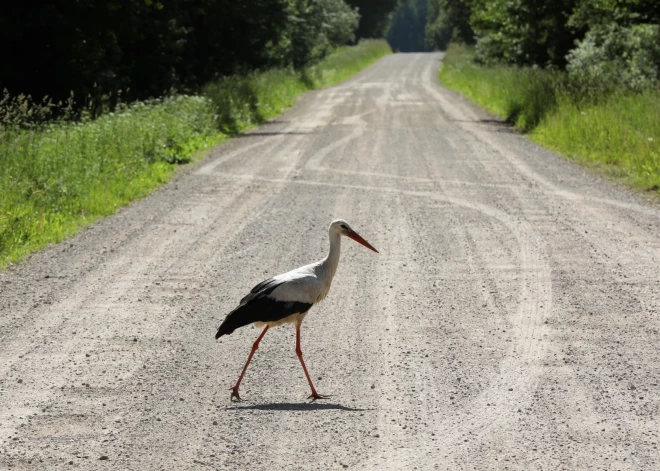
(59, 177)
(243, 101)
(615, 131)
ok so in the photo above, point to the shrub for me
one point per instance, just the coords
(614, 55)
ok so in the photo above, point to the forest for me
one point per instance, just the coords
(146, 48)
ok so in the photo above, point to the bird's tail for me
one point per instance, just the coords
(233, 321)
(224, 329)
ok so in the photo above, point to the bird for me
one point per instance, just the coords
(287, 298)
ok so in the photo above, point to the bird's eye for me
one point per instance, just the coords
(343, 226)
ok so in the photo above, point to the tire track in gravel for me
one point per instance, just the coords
(523, 362)
(121, 284)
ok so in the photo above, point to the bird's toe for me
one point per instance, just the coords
(234, 395)
(314, 396)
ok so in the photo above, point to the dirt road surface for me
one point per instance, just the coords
(511, 320)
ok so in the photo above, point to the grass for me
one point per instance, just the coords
(57, 177)
(244, 101)
(616, 131)
(347, 61)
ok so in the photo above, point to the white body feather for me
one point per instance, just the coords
(308, 284)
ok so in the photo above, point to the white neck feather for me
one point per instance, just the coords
(329, 264)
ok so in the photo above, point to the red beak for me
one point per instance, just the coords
(358, 238)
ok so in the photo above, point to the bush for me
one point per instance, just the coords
(522, 32)
(618, 56)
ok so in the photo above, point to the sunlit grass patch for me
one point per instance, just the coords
(241, 102)
(59, 177)
(619, 133)
(613, 130)
(347, 61)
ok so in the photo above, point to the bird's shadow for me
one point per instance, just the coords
(298, 406)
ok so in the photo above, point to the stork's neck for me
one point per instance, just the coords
(330, 262)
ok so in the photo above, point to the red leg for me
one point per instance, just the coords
(314, 394)
(255, 345)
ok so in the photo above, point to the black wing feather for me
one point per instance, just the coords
(265, 287)
(260, 309)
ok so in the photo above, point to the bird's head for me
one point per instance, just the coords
(342, 228)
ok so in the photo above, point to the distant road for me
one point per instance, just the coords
(511, 320)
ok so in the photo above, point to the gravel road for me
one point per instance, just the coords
(511, 320)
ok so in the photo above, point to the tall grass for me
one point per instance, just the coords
(520, 95)
(58, 177)
(615, 130)
(346, 61)
(243, 101)
(619, 133)
(61, 176)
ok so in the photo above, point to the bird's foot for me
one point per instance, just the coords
(234, 394)
(314, 396)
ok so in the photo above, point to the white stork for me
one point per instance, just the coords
(286, 298)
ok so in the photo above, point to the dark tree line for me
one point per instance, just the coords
(144, 48)
(374, 16)
(406, 30)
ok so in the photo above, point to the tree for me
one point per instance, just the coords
(316, 28)
(144, 48)
(594, 13)
(449, 20)
(523, 32)
(622, 44)
(407, 28)
(374, 16)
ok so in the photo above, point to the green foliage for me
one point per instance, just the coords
(317, 27)
(616, 130)
(374, 16)
(438, 31)
(345, 62)
(523, 96)
(60, 176)
(406, 32)
(448, 20)
(142, 47)
(592, 13)
(614, 42)
(241, 101)
(523, 32)
(617, 56)
(146, 48)
(603, 44)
